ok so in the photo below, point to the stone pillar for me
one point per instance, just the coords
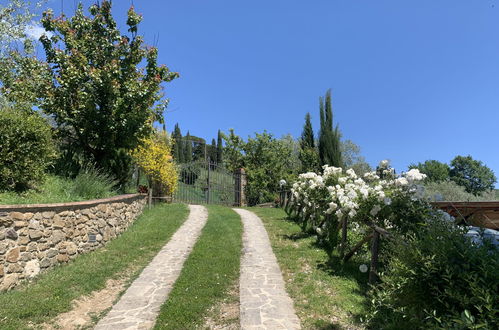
(240, 187)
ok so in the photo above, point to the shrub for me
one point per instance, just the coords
(451, 191)
(92, 183)
(437, 279)
(26, 149)
(154, 157)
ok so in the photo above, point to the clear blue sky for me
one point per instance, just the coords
(411, 80)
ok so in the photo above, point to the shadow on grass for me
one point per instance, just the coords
(335, 267)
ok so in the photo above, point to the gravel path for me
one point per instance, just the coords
(263, 298)
(140, 305)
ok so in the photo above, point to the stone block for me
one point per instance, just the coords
(35, 234)
(9, 282)
(11, 233)
(48, 215)
(20, 223)
(13, 255)
(63, 258)
(17, 215)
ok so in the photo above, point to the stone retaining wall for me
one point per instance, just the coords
(36, 237)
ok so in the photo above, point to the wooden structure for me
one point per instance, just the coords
(479, 214)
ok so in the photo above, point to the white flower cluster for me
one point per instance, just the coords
(344, 194)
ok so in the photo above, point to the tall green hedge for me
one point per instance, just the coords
(26, 149)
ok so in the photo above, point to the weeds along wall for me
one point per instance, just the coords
(34, 238)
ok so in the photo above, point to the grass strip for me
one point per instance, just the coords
(326, 295)
(52, 292)
(208, 274)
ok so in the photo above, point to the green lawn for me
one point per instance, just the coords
(326, 294)
(52, 293)
(208, 275)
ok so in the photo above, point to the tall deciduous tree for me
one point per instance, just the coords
(329, 138)
(472, 174)
(103, 101)
(435, 171)
(21, 73)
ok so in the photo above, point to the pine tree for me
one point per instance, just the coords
(329, 138)
(188, 148)
(219, 148)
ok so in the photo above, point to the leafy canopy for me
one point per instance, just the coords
(472, 174)
(102, 100)
(435, 171)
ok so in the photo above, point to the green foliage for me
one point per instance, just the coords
(352, 159)
(437, 279)
(472, 174)
(267, 160)
(219, 148)
(329, 138)
(15, 17)
(309, 155)
(435, 171)
(92, 183)
(233, 151)
(101, 100)
(451, 191)
(178, 147)
(188, 148)
(26, 149)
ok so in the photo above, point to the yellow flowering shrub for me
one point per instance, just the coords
(154, 157)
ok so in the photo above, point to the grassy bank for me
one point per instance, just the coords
(57, 189)
(209, 273)
(326, 295)
(52, 293)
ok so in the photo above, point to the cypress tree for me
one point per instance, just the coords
(178, 147)
(219, 148)
(213, 151)
(329, 138)
(188, 148)
(307, 136)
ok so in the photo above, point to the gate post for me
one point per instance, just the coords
(240, 187)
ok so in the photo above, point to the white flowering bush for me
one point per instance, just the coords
(379, 198)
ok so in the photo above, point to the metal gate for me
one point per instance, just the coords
(206, 182)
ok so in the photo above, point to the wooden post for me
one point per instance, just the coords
(149, 199)
(208, 182)
(373, 271)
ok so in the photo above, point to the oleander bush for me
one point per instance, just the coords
(26, 149)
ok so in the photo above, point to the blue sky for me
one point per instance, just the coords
(411, 80)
